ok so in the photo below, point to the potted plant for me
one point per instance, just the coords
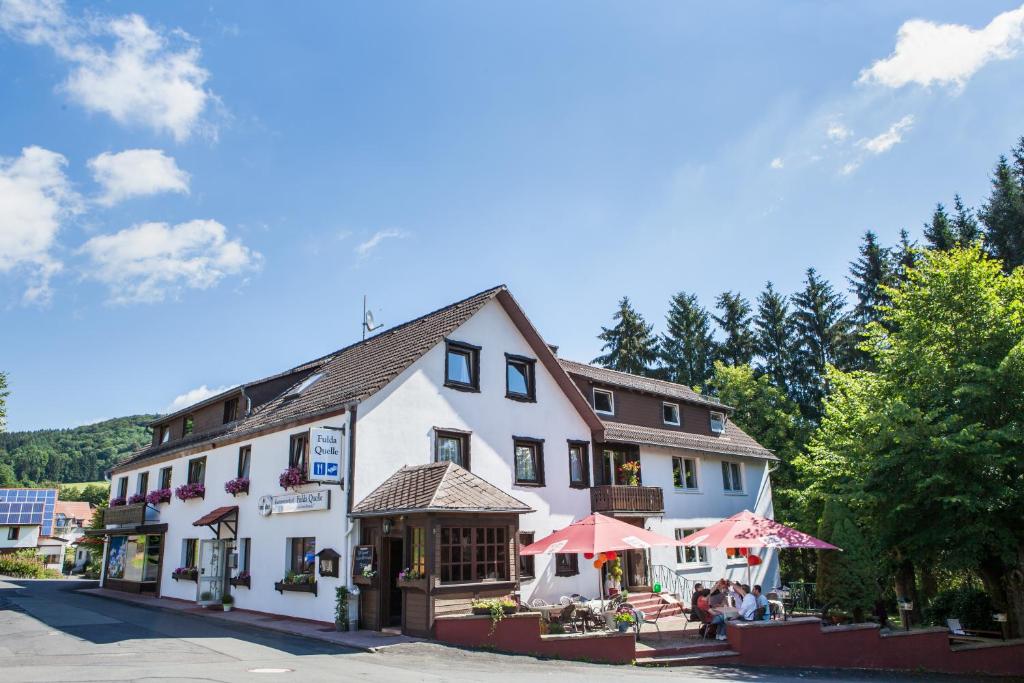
(630, 471)
(136, 498)
(227, 601)
(496, 607)
(117, 502)
(624, 621)
(341, 595)
(298, 583)
(290, 478)
(158, 496)
(237, 486)
(190, 491)
(205, 596)
(366, 576)
(412, 578)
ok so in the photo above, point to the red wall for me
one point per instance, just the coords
(803, 642)
(520, 633)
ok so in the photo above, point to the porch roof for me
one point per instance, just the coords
(221, 514)
(436, 487)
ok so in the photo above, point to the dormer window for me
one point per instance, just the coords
(165, 433)
(186, 425)
(306, 384)
(604, 402)
(462, 366)
(519, 378)
(670, 414)
(231, 410)
(717, 422)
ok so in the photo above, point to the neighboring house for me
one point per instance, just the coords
(71, 518)
(439, 446)
(27, 520)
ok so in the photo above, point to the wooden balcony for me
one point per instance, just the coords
(634, 499)
(125, 515)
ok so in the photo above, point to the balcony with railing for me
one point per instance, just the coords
(125, 515)
(627, 499)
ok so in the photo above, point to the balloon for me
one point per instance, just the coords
(611, 555)
(753, 560)
(603, 556)
(588, 556)
(597, 564)
(744, 551)
(657, 588)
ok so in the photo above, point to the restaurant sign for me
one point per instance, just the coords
(325, 455)
(295, 502)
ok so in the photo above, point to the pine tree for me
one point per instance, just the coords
(874, 268)
(630, 345)
(773, 338)
(965, 225)
(906, 255)
(1003, 214)
(846, 578)
(737, 347)
(823, 332)
(939, 233)
(687, 347)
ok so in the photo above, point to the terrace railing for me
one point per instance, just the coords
(671, 582)
(612, 498)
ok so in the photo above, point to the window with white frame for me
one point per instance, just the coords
(732, 477)
(717, 422)
(684, 474)
(604, 402)
(687, 554)
(670, 413)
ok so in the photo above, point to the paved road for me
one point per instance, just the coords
(48, 632)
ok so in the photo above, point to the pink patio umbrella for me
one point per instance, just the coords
(598, 534)
(747, 530)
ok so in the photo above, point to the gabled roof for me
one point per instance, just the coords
(356, 372)
(734, 441)
(647, 385)
(437, 487)
(73, 509)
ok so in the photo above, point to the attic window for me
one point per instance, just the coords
(717, 422)
(306, 384)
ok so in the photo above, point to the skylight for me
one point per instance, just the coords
(306, 384)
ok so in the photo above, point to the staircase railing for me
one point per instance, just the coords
(671, 582)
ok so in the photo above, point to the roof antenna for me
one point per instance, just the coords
(368, 323)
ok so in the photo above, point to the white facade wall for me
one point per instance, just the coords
(395, 427)
(28, 537)
(709, 504)
(269, 550)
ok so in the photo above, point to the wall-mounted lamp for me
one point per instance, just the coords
(387, 525)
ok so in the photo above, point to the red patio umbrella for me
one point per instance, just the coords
(597, 534)
(747, 530)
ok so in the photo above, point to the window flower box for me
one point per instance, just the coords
(242, 580)
(190, 491)
(297, 583)
(118, 502)
(158, 496)
(185, 574)
(237, 486)
(291, 478)
(410, 578)
(136, 498)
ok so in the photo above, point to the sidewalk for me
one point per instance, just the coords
(367, 641)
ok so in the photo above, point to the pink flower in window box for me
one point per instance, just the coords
(117, 502)
(189, 491)
(159, 496)
(136, 498)
(290, 477)
(236, 486)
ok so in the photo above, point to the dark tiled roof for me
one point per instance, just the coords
(218, 515)
(437, 487)
(733, 442)
(350, 374)
(637, 383)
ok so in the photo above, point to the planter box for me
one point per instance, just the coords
(193, 579)
(415, 584)
(361, 580)
(281, 587)
(236, 582)
(483, 611)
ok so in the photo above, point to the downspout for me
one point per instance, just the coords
(350, 474)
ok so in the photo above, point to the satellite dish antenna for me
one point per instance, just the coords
(369, 325)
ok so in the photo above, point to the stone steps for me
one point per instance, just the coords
(694, 659)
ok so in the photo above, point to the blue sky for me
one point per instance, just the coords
(200, 193)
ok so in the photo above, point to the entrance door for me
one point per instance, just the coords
(212, 563)
(393, 594)
(636, 569)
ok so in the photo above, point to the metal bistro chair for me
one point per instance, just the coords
(568, 616)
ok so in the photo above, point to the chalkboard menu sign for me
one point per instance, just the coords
(361, 559)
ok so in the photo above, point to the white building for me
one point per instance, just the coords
(471, 384)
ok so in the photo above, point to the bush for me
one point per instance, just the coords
(26, 564)
(971, 606)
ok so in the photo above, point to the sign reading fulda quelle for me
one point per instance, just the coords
(325, 454)
(294, 502)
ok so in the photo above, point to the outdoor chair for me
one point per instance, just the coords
(568, 616)
(565, 600)
(653, 620)
(538, 602)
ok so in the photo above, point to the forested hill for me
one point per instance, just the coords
(69, 455)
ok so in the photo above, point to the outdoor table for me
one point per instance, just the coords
(726, 611)
(546, 610)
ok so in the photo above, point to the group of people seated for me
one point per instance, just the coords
(727, 600)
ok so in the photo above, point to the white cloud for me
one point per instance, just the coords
(777, 163)
(35, 198)
(850, 167)
(136, 173)
(147, 76)
(151, 261)
(946, 54)
(890, 138)
(193, 396)
(838, 132)
(363, 249)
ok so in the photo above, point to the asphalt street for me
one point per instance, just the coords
(49, 632)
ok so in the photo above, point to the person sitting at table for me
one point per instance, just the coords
(746, 609)
(718, 593)
(697, 589)
(764, 608)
